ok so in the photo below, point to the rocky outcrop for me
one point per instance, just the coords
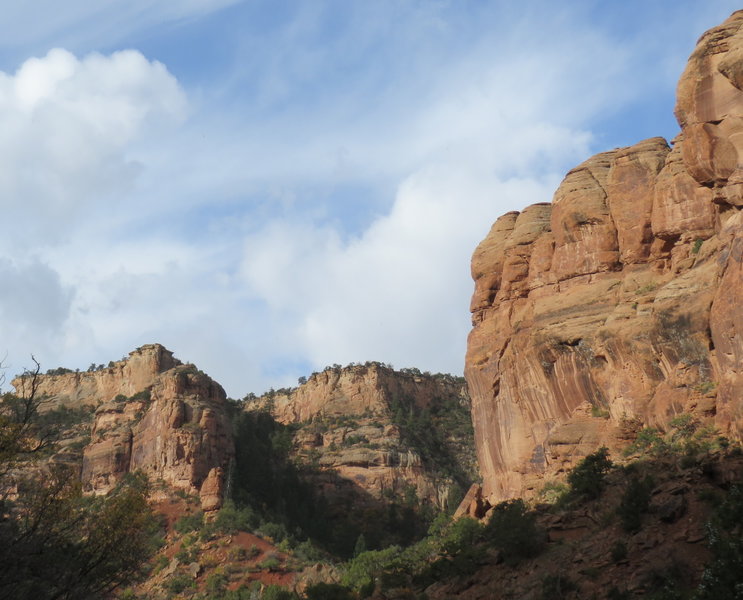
(153, 414)
(618, 304)
(355, 425)
(132, 374)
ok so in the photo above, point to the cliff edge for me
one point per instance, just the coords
(617, 306)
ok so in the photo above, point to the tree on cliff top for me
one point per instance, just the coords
(56, 543)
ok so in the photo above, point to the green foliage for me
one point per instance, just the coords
(697, 245)
(143, 396)
(188, 523)
(723, 576)
(513, 530)
(178, 583)
(55, 542)
(245, 592)
(361, 572)
(685, 438)
(59, 371)
(276, 531)
(352, 440)
(431, 432)
(328, 591)
(587, 479)
(309, 553)
(461, 535)
(231, 519)
(270, 563)
(554, 492)
(635, 502)
(360, 545)
(668, 582)
(216, 584)
(275, 592)
(648, 441)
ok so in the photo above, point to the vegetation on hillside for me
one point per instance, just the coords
(271, 483)
(56, 543)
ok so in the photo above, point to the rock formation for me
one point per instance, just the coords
(617, 305)
(152, 413)
(349, 426)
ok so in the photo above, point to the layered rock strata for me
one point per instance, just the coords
(154, 414)
(348, 423)
(618, 305)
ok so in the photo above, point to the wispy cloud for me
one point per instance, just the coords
(312, 195)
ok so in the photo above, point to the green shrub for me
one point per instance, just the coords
(648, 441)
(361, 572)
(328, 591)
(216, 584)
(554, 492)
(306, 551)
(635, 502)
(270, 563)
(231, 519)
(276, 531)
(178, 583)
(275, 592)
(188, 523)
(723, 576)
(462, 534)
(513, 530)
(187, 555)
(587, 479)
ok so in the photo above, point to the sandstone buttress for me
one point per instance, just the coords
(618, 305)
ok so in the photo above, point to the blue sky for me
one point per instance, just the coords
(270, 187)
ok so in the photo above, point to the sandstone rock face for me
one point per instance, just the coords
(348, 427)
(618, 305)
(153, 414)
(128, 376)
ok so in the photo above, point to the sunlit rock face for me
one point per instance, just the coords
(344, 419)
(619, 304)
(154, 414)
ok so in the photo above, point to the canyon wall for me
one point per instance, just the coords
(152, 413)
(618, 305)
(357, 424)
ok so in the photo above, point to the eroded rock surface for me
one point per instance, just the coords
(152, 413)
(356, 424)
(618, 305)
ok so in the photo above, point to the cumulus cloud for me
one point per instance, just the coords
(399, 293)
(316, 203)
(65, 127)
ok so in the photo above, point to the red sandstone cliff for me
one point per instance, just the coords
(618, 304)
(347, 426)
(152, 413)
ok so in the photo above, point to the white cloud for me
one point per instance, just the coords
(218, 229)
(34, 306)
(400, 292)
(65, 127)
